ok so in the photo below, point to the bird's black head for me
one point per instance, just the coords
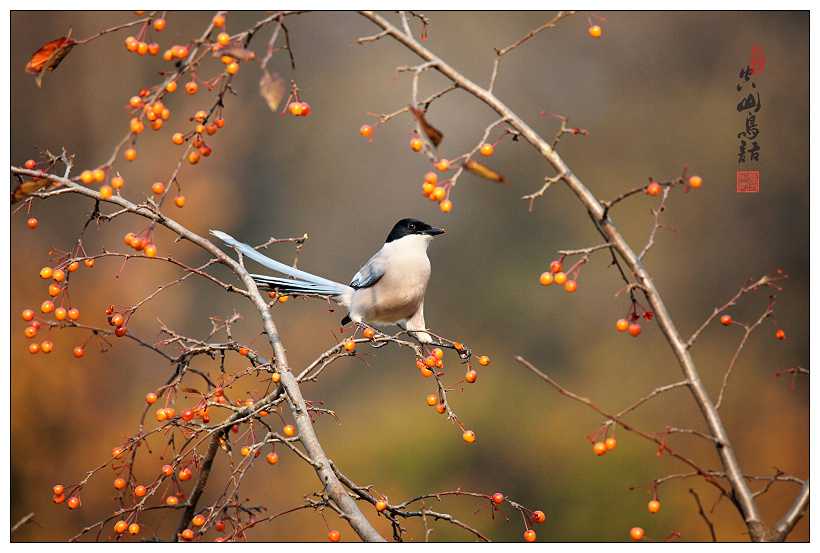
(406, 227)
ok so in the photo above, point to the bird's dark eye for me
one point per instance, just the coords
(412, 226)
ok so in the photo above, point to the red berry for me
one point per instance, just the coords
(32, 223)
(539, 517)
(556, 266)
(272, 458)
(726, 320)
(498, 498)
(529, 536)
(653, 189)
(634, 329)
(780, 334)
(334, 536)
(79, 352)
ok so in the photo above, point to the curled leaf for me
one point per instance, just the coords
(272, 88)
(482, 171)
(432, 133)
(28, 187)
(49, 57)
(235, 51)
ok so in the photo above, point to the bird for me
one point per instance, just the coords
(388, 289)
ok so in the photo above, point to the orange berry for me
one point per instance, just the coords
(120, 527)
(599, 448)
(446, 206)
(556, 266)
(438, 193)
(432, 400)
(425, 372)
(211, 128)
(88, 262)
(87, 177)
(158, 188)
(498, 498)
(427, 189)
(181, 52)
(610, 443)
(135, 102)
(726, 320)
(634, 329)
(487, 150)
(73, 502)
(161, 415)
(178, 138)
(437, 353)
(416, 144)
(185, 474)
(58, 490)
(34, 348)
(334, 536)
(305, 108)
(431, 177)
(441, 408)
(369, 333)
(106, 192)
(134, 529)
(30, 164)
(636, 533)
(295, 108)
(560, 278)
(194, 157)
(595, 31)
(781, 335)
(272, 458)
(442, 165)
(483, 360)
(223, 38)
(54, 290)
(350, 345)
(159, 24)
(468, 436)
(171, 87)
(169, 411)
(366, 130)
(219, 122)
(244, 451)
(130, 154)
(654, 506)
(32, 223)
(31, 331)
(47, 307)
(653, 189)
(695, 181)
(58, 275)
(172, 500)
(191, 87)
(381, 505)
(289, 430)
(471, 376)
(73, 314)
(529, 536)
(571, 286)
(622, 325)
(539, 517)
(46, 272)
(167, 470)
(151, 397)
(137, 126)
(275, 377)
(179, 201)
(198, 521)
(119, 483)
(28, 315)
(219, 21)
(99, 175)
(546, 278)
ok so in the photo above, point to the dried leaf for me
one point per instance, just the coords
(28, 187)
(49, 57)
(235, 51)
(190, 390)
(272, 88)
(477, 169)
(432, 133)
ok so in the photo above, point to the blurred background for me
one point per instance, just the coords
(655, 91)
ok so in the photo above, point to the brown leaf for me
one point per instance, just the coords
(432, 133)
(28, 187)
(49, 57)
(235, 51)
(477, 169)
(272, 88)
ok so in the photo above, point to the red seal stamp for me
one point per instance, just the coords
(748, 181)
(757, 60)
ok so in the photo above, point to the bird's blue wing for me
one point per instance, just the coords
(368, 275)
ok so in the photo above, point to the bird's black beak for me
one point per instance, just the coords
(433, 231)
